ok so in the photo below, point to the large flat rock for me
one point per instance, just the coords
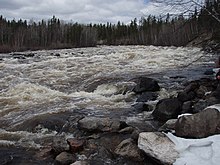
(158, 146)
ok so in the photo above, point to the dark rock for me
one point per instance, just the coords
(144, 123)
(209, 72)
(187, 107)
(18, 56)
(216, 93)
(140, 107)
(167, 109)
(127, 130)
(191, 87)
(128, 149)
(99, 124)
(135, 135)
(168, 126)
(65, 158)
(200, 125)
(75, 144)
(57, 55)
(184, 96)
(201, 91)
(59, 144)
(147, 96)
(177, 77)
(146, 84)
(200, 105)
(29, 55)
(50, 121)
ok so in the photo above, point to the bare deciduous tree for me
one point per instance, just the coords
(186, 6)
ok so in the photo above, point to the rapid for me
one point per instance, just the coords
(95, 81)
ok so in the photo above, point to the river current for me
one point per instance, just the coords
(96, 80)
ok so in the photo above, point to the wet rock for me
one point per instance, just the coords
(18, 56)
(147, 96)
(167, 109)
(201, 91)
(135, 135)
(187, 107)
(76, 145)
(80, 163)
(200, 105)
(65, 158)
(200, 125)
(158, 146)
(168, 126)
(144, 122)
(92, 124)
(29, 55)
(191, 87)
(184, 96)
(128, 149)
(50, 121)
(127, 130)
(146, 84)
(44, 153)
(59, 144)
(57, 54)
(140, 107)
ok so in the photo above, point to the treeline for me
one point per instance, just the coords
(54, 33)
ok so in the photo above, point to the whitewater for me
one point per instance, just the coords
(96, 80)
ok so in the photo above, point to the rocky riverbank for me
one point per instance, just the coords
(106, 140)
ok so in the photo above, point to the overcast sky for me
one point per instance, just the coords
(82, 11)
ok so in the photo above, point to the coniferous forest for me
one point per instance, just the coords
(19, 35)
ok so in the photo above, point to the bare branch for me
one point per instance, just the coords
(187, 5)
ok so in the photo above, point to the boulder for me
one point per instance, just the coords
(187, 107)
(158, 146)
(191, 87)
(184, 96)
(76, 145)
(146, 84)
(140, 107)
(168, 126)
(65, 158)
(201, 91)
(200, 125)
(167, 109)
(92, 124)
(147, 96)
(59, 144)
(200, 106)
(128, 149)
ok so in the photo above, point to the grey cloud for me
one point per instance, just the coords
(83, 11)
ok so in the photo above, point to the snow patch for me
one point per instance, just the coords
(197, 151)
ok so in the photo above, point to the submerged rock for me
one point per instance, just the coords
(158, 146)
(167, 109)
(146, 84)
(99, 124)
(200, 125)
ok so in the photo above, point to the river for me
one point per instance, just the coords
(96, 81)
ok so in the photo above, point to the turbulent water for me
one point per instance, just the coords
(97, 80)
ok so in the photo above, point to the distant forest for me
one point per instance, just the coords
(164, 31)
